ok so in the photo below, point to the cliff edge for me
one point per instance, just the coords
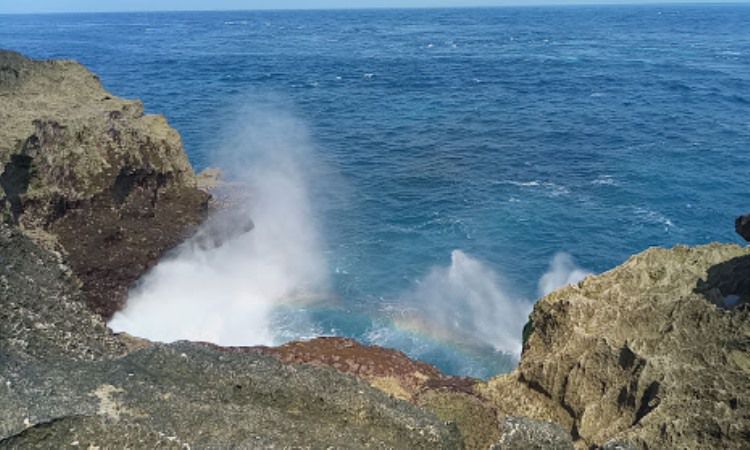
(89, 174)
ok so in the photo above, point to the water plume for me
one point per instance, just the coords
(562, 272)
(467, 303)
(263, 250)
(470, 306)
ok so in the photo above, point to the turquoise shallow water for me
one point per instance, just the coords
(510, 134)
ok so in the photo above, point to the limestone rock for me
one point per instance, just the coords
(521, 433)
(476, 419)
(183, 394)
(649, 353)
(108, 185)
(452, 399)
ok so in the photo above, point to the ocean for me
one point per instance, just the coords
(419, 177)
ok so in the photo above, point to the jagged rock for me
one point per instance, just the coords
(521, 433)
(65, 380)
(90, 174)
(649, 353)
(184, 394)
(452, 399)
(742, 226)
(222, 227)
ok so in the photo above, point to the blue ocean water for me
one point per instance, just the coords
(510, 134)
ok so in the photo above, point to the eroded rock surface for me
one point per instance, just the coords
(88, 173)
(521, 433)
(390, 370)
(650, 354)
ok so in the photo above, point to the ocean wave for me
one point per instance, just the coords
(653, 217)
(550, 188)
(605, 180)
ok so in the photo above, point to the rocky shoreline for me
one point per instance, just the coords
(652, 354)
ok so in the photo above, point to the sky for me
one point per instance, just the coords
(42, 6)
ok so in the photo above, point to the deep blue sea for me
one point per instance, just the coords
(508, 134)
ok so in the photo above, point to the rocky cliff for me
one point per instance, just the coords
(655, 353)
(88, 174)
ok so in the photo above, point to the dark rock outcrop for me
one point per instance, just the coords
(89, 174)
(742, 226)
(41, 307)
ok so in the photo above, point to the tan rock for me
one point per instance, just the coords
(646, 353)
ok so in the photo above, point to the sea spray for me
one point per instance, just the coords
(263, 255)
(562, 272)
(264, 251)
(468, 302)
(465, 317)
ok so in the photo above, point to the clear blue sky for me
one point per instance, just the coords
(35, 6)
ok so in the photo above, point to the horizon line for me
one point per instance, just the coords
(396, 8)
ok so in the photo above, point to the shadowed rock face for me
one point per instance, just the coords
(89, 174)
(648, 354)
(742, 226)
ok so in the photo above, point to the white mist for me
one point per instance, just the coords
(470, 304)
(223, 285)
(562, 271)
